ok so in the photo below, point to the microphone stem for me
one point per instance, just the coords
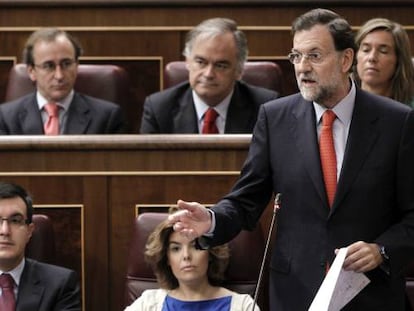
(276, 207)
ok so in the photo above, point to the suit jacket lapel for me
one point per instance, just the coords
(30, 118)
(185, 118)
(239, 112)
(363, 133)
(304, 130)
(79, 116)
(30, 289)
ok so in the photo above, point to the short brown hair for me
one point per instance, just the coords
(156, 255)
(10, 190)
(48, 35)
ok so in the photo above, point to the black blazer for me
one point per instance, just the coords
(48, 288)
(172, 110)
(374, 200)
(86, 115)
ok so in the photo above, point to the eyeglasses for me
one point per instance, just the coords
(14, 221)
(199, 63)
(313, 57)
(50, 66)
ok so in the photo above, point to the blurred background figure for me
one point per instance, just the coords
(384, 64)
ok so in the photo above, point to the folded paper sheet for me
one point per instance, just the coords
(339, 286)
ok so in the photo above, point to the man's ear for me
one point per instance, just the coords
(31, 72)
(348, 60)
(30, 229)
(239, 75)
(187, 64)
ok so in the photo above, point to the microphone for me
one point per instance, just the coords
(273, 223)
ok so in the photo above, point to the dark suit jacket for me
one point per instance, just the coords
(86, 115)
(373, 203)
(47, 288)
(172, 110)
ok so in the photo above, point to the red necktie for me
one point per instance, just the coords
(327, 153)
(51, 126)
(209, 125)
(7, 299)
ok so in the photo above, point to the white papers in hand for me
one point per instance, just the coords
(339, 286)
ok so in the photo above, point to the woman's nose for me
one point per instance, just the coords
(186, 253)
(373, 56)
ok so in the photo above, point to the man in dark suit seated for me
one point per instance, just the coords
(28, 284)
(215, 52)
(52, 58)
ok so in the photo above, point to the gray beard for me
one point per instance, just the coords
(320, 95)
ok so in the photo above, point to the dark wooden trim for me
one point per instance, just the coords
(108, 177)
(119, 142)
(188, 3)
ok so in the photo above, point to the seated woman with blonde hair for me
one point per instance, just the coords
(189, 278)
(384, 65)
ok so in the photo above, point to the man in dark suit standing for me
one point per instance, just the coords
(52, 58)
(34, 285)
(215, 52)
(369, 209)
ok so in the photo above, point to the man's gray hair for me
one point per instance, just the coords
(218, 26)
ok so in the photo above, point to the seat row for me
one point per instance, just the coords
(112, 83)
(242, 274)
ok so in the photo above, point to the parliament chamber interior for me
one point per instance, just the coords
(94, 186)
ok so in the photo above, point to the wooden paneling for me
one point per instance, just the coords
(145, 75)
(68, 226)
(108, 177)
(91, 186)
(6, 64)
(68, 223)
(135, 34)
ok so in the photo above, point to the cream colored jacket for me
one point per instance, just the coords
(153, 299)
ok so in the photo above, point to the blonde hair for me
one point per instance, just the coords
(402, 83)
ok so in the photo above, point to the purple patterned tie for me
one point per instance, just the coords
(7, 299)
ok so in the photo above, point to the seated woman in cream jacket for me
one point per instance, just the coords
(189, 278)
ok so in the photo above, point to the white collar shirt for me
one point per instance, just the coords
(201, 107)
(343, 111)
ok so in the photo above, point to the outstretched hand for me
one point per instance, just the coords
(192, 220)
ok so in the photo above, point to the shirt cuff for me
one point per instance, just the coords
(203, 242)
(209, 233)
